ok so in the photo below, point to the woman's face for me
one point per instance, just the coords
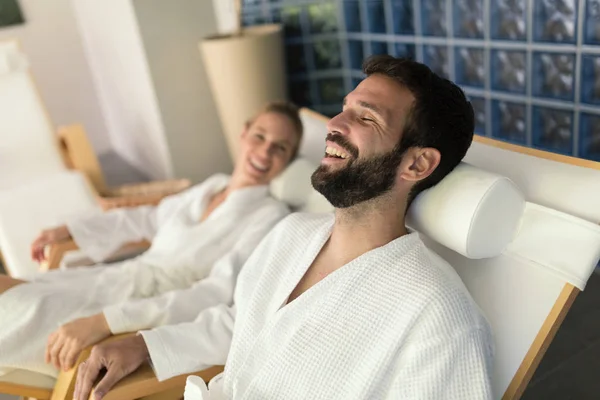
(267, 146)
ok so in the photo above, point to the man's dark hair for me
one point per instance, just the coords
(441, 116)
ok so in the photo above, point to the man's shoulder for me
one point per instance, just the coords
(448, 296)
(432, 287)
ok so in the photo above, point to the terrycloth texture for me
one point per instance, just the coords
(190, 266)
(395, 323)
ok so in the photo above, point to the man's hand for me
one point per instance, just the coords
(69, 340)
(119, 357)
(48, 236)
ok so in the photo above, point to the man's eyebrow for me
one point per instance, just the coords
(370, 106)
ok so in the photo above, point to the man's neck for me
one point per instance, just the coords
(366, 226)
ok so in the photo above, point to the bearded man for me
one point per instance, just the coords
(349, 305)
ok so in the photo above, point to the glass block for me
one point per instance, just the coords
(590, 79)
(300, 93)
(404, 50)
(478, 104)
(327, 54)
(591, 33)
(468, 18)
(553, 129)
(250, 2)
(355, 50)
(352, 15)
(331, 90)
(295, 58)
(252, 18)
(436, 58)
(275, 15)
(509, 70)
(589, 136)
(402, 16)
(291, 20)
(509, 21)
(509, 121)
(553, 75)
(379, 48)
(433, 17)
(555, 21)
(470, 68)
(322, 18)
(355, 82)
(375, 16)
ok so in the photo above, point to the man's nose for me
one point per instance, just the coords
(339, 124)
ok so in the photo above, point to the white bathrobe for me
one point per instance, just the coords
(395, 323)
(190, 266)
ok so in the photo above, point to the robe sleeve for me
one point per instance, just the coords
(193, 346)
(445, 366)
(184, 305)
(101, 234)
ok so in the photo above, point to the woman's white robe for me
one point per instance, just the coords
(190, 266)
(395, 323)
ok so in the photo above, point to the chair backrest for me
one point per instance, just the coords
(525, 292)
(79, 155)
(28, 146)
(28, 209)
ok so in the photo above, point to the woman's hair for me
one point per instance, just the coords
(289, 110)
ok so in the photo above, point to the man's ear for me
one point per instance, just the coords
(418, 163)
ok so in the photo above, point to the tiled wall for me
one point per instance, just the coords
(531, 68)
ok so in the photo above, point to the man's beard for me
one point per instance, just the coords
(360, 180)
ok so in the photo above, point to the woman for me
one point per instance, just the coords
(200, 239)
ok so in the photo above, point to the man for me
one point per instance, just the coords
(351, 305)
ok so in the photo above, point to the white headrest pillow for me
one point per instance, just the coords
(473, 212)
(293, 185)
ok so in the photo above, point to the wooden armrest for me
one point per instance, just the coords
(143, 383)
(65, 383)
(56, 251)
(140, 383)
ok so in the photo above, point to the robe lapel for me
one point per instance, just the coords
(299, 269)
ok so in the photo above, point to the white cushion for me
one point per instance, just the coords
(293, 185)
(27, 210)
(316, 203)
(517, 290)
(566, 246)
(312, 147)
(568, 188)
(29, 148)
(473, 212)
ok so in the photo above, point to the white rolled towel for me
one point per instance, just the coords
(196, 389)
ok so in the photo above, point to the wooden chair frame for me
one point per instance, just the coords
(56, 251)
(143, 382)
(140, 384)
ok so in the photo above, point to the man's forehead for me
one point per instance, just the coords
(380, 91)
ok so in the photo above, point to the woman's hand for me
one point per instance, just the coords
(47, 237)
(65, 345)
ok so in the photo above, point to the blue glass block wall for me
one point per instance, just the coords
(530, 67)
